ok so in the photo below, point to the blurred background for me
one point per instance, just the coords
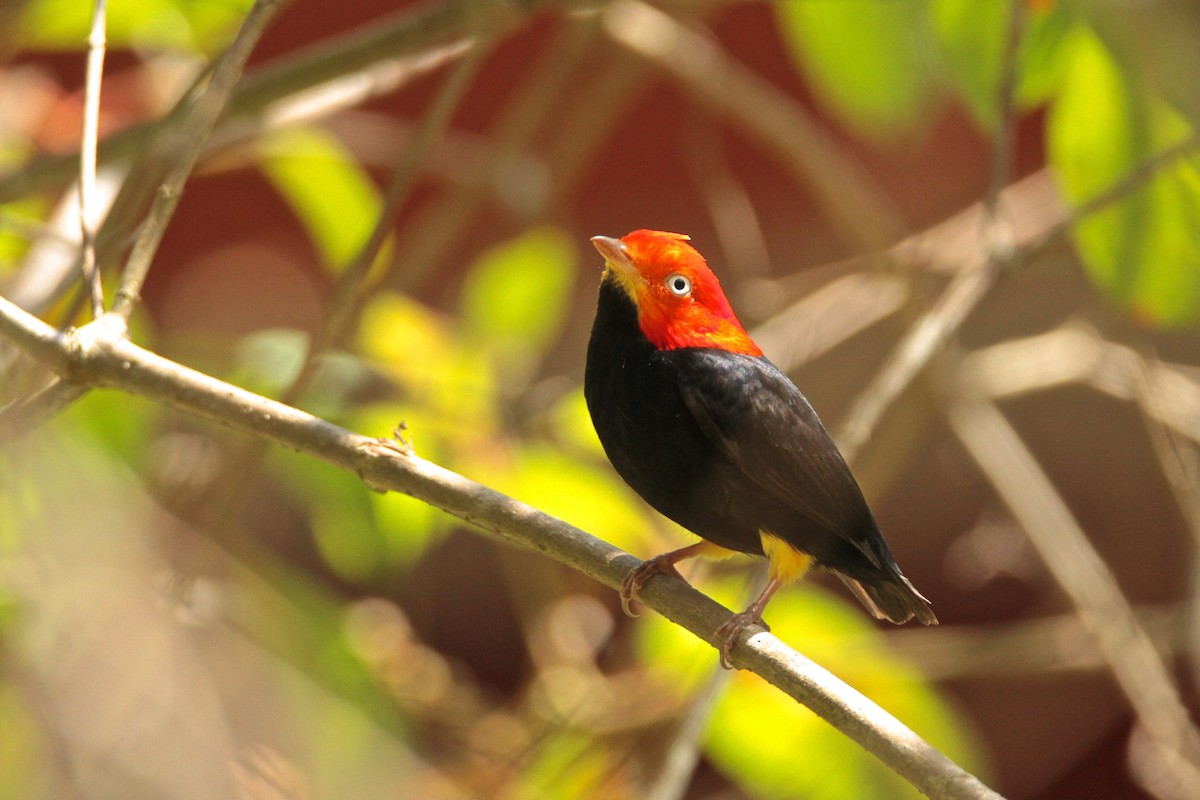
(967, 228)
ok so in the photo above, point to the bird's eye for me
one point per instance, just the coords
(680, 285)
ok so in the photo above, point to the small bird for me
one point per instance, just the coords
(714, 436)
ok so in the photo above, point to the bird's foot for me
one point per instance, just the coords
(725, 635)
(637, 577)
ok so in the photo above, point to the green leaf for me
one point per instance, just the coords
(1159, 40)
(330, 192)
(870, 62)
(14, 242)
(972, 36)
(578, 492)
(514, 297)
(197, 25)
(340, 514)
(572, 426)
(841, 638)
(1143, 249)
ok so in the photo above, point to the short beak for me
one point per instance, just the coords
(614, 254)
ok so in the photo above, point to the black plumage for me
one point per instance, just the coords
(725, 445)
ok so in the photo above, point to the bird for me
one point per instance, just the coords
(715, 437)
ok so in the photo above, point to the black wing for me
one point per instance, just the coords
(764, 426)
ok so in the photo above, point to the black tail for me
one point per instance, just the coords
(892, 598)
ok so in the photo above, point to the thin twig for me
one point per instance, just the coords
(194, 129)
(438, 228)
(678, 764)
(87, 155)
(352, 286)
(1180, 464)
(850, 198)
(99, 354)
(1083, 575)
(1054, 646)
(967, 288)
(1133, 180)
(228, 489)
(683, 751)
(412, 31)
(1076, 354)
(27, 414)
(20, 417)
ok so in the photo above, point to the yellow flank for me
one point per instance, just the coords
(787, 564)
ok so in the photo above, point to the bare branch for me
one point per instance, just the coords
(1136, 178)
(193, 129)
(968, 287)
(1047, 646)
(99, 355)
(851, 200)
(1074, 353)
(1083, 575)
(87, 155)
(352, 286)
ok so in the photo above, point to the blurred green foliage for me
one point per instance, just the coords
(1115, 101)
(869, 61)
(794, 752)
(202, 26)
(1143, 250)
(329, 191)
(320, 655)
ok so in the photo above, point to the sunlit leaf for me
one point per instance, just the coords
(1159, 40)
(839, 637)
(330, 192)
(437, 371)
(515, 296)
(408, 526)
(572, 425)
(579, 493)
(196, 25)
(116, 422)
(568, 765)
(340, 514)
(14, 242)
(871, 62)
(972, 35)
(1143, 249)
(405, 338)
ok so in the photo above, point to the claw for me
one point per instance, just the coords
(637, 577)
(629, 591)
(725, 635)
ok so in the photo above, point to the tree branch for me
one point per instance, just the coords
(87, 155)
(98, 354)
(1026, 489)
(192, 130)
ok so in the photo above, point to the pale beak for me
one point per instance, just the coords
(615, 254)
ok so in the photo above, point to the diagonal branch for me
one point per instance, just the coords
(968, 288)
(850, 198)
(98, 354)
(192, 130)
(1077, 567)
(87, 155)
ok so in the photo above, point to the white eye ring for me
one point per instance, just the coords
(679, 284)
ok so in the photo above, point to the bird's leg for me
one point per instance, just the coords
(664, 563)
(723, 637)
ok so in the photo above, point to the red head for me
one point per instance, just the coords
(679, 300)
